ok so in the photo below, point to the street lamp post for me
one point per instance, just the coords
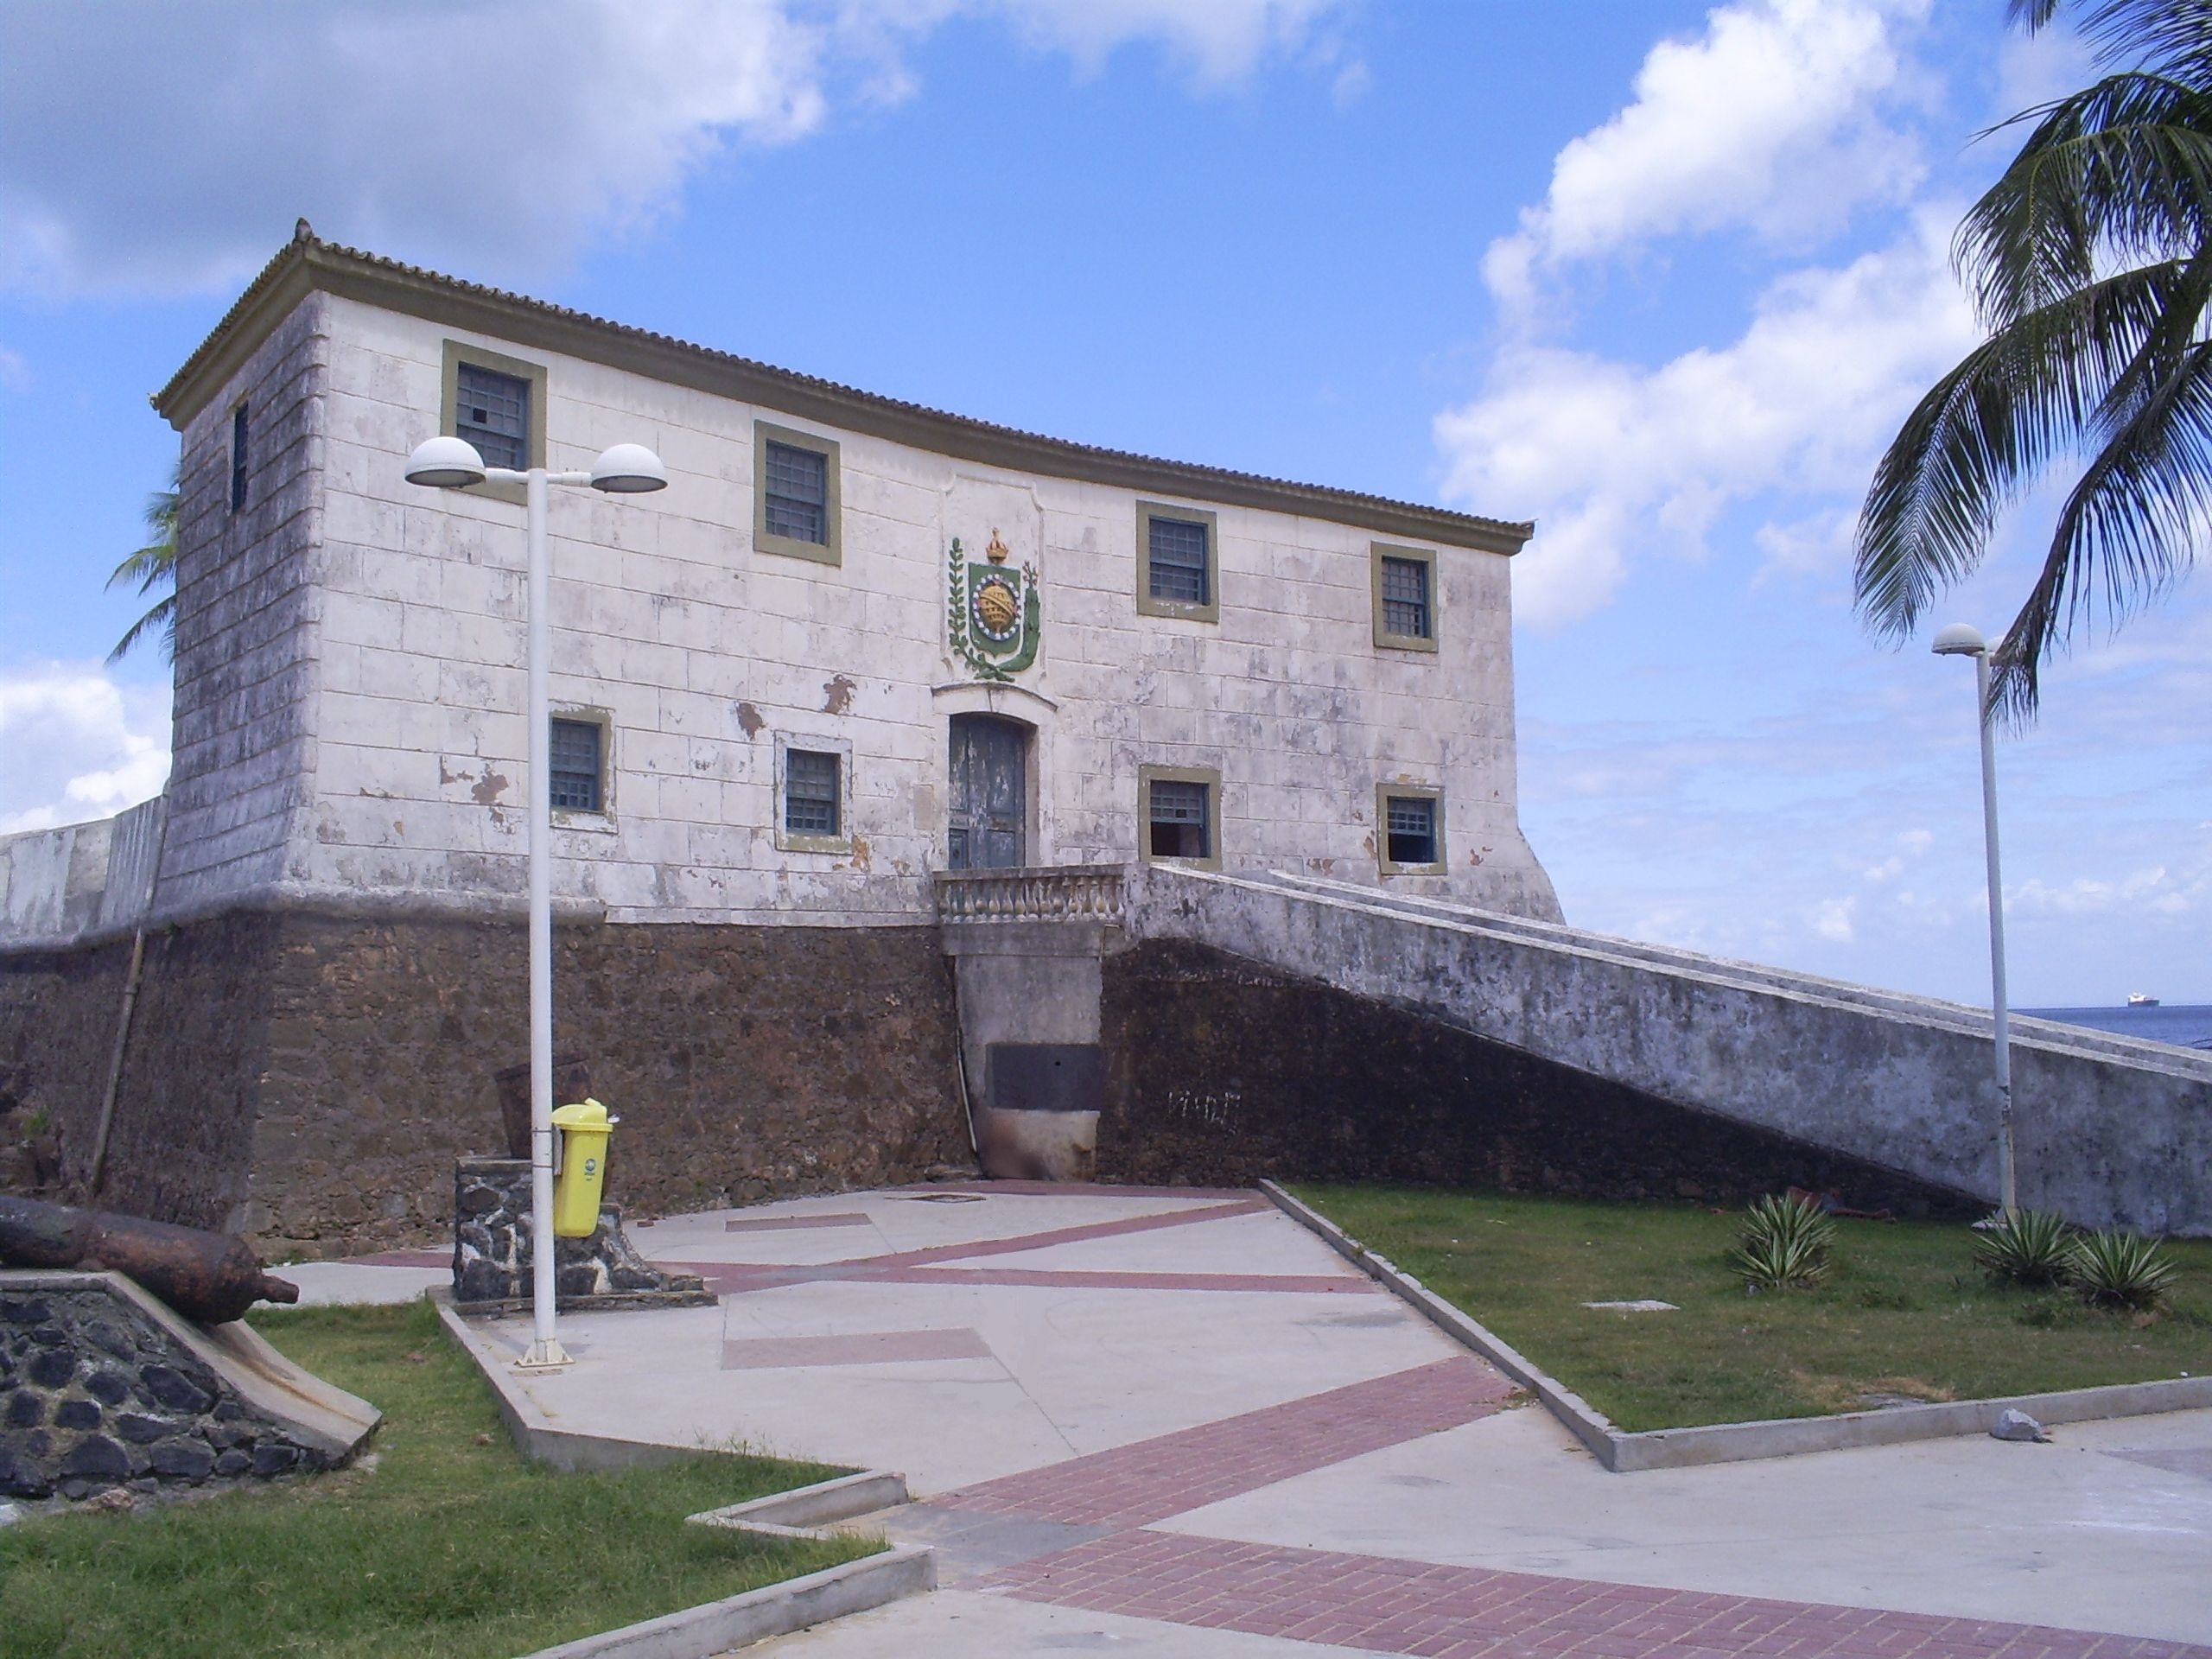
(1962, 640)
(451, 463)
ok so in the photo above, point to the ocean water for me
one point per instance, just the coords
(2188, 1026)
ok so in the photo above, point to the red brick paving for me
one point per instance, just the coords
(1153, 1479)
(1384, 1605)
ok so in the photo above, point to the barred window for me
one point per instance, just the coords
(239, 457)
(810, 803)
(1179, 566)
(1180, 823)
(575, 774)
(492, 411)
(1410, 828)
(797, 491)
(1405, 598)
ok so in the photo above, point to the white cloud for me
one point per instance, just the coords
(79, 745)
(168, 149)
(2156, 891)
(1617, 461)
(15, 371)
(1772, 119)
(1832, 919)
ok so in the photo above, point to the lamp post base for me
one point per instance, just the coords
(545, 1356)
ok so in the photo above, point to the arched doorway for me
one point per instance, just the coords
(986, 829)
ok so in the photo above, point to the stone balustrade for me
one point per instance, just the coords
(1090, 892)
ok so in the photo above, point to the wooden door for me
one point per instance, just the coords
(990, 793)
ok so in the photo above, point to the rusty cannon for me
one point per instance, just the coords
(210, 1277)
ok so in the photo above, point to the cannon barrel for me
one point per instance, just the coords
(210, 1277)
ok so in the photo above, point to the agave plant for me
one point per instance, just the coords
(2119, 1269)
(2028, 1247)
(1784, 1245)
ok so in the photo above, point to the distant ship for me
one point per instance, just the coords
(2139, 999)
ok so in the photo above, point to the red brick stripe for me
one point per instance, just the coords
(1073, 1279)
(1169, 1474)
(1380, 1604)
(1241, 1206)
(1088, 1190)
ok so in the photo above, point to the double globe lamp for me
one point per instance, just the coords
(452, 463)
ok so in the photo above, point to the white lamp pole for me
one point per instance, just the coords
(1960, 640)
(450, 463)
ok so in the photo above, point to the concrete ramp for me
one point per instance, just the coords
(2109, 1132)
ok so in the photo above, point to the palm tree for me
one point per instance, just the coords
(2090, 266)
(153, 567)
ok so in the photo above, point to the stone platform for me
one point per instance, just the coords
(102, 1385)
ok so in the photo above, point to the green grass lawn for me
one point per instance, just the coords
(1905, 1311)
(448, 1545)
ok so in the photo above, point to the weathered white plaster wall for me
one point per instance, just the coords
(241, 733)
(401, 773)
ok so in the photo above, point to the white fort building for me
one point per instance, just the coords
(855, 641)
(855, 645)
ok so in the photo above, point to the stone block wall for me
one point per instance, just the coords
(247, 610)
(1225, 1071)
(310, 1079)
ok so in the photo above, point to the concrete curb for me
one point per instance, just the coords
(1780, 1437)
(807, 1512)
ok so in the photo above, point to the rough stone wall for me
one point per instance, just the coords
(309, 1080)
(180, 1139)
(1224, 1071)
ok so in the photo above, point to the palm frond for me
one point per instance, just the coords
(2127, 533)
(2175, 34)
(152, 566)
(1985, 431)
(162, 618)
(2118, 174)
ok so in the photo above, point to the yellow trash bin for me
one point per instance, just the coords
(584, 1129)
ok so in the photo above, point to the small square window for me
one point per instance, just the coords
(796, 488)
(1178, 568)
(1410, 818)
(498, 405)
(798, 494)
(576, 774)
(1405, 598)
(1181, 815)
(239, 457)
(492, 411)
(1177, 562)
(811, 806)
(1412, 830)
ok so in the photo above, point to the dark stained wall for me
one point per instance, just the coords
(1225, 1071)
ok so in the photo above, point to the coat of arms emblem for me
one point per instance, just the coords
(993, 611)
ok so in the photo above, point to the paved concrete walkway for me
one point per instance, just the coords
(1175, 1422)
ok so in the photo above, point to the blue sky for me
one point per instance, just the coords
(1662, 277)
